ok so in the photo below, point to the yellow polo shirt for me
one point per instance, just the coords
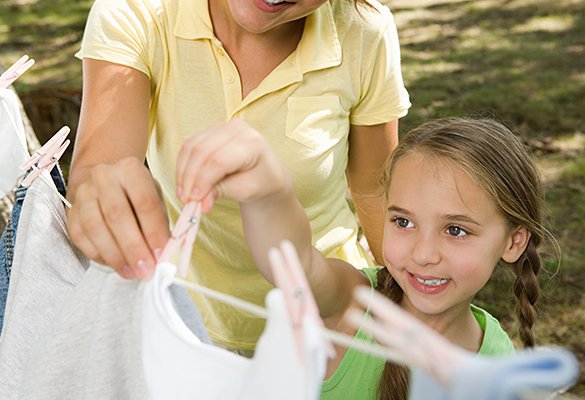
(345, 71)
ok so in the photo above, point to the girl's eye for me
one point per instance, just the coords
(403, 223)
(456, 231)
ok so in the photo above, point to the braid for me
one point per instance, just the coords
(394, 379)
(527, 291)
(388, 286)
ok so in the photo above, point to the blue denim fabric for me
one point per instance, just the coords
(9, 238)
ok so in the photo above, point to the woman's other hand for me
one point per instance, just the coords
(118, 218)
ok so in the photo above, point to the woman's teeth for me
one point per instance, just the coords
(273, 2)
(432, 282)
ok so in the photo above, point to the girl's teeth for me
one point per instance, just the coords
(273, 2)
(431, 282)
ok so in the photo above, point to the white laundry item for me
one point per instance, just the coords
(178, 366)
(77, 330)
(13, 139)
(46, 268)
(68, 333)
(532, 374)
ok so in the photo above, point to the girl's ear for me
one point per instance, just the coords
(516, 244)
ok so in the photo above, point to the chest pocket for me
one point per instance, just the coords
(313, 121)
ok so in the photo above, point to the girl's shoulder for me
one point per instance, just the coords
(372, 275)
(495, 340)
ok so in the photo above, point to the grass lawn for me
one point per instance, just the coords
(521, 61)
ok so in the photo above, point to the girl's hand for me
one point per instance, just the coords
(229, 159)
(413, 342)
(118, 218)
(232, 159)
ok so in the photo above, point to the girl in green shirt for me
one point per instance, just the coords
(461, 197)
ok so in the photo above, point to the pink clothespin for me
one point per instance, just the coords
(183, 235)
(47, 156)
(290, 277)
(17, 69)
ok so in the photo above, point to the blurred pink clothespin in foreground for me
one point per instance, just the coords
(183, 235)
(47, 156)
(17, 69)
(290, 277)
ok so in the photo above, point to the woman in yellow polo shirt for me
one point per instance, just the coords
(319, 79)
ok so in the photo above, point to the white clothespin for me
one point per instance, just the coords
(47, 156)
(183, 236)
(290, 277)
(15, 71)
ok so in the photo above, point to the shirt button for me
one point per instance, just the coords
(220, 51)
(229, 79)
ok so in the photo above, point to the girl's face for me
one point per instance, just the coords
(443, 236)
(258, 16)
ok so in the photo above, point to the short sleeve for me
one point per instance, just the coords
(117, 31)
(383, 97)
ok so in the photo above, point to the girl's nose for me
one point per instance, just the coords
(425, 250)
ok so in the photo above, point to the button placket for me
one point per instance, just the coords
(229, 77)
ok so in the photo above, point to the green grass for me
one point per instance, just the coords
(525, 60)
(48, 31)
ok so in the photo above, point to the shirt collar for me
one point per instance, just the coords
(193, 20)
(319, 46)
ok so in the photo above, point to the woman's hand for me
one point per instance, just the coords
(118, 218)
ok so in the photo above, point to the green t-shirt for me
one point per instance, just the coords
(358, 375)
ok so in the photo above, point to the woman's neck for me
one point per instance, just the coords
(232, 35)
(255, 55)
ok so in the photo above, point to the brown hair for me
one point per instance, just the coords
(495, 159)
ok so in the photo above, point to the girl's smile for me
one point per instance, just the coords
(428, 285)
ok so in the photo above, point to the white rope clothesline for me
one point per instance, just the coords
(334, 336)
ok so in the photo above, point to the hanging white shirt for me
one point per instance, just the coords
(13, 139)
(72, 333)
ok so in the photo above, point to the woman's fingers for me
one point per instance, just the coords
(146, 200)
(80, 239)
(118, 218)
(89, 229)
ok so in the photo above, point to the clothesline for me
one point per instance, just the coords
(334, 336)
